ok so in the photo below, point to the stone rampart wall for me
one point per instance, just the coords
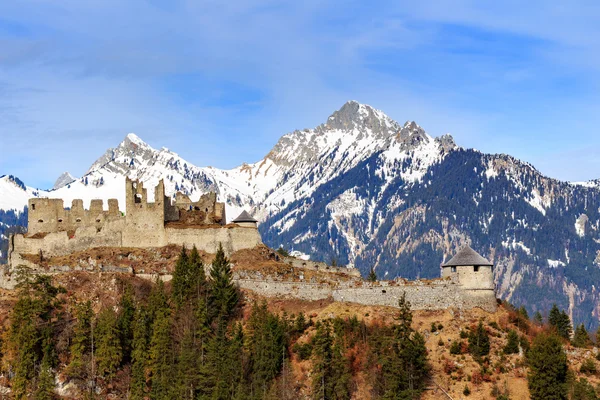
(320, 266)
(207, 239)
(422, 297)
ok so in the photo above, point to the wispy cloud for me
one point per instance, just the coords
(75, 76)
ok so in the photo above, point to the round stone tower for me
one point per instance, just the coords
(244, 219)
(474, 274)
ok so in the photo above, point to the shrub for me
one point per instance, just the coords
(433, 327)
(463, 334)
(467, 391)
(588, 367)
(440, 342)
(440, 327)
(304, 351)
(494, 325)
(455, 348)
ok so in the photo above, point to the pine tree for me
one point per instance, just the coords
(218, 380)
(479, 341)
(224, 295)
(583, 390)
(30, 335)
(537, 318)
(560, 321)
(108, 351)
(547, 369)
(160, 356)
(512, 343)
(181, 277)
(187, 369)
(139, 355)
(402, 357)
(581, 337)
(197, 288)
(266, 341)
(322, 360)
(372, 276)
(81, 344)
(125, 321)
(45, 387)
(523, 312)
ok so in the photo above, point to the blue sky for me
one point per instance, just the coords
(220, 82)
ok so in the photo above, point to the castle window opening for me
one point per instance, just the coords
(33, 206)
(452, 269)
(138, 198)
(78, 220)
(40, 221)
(98, 220)
(476, 268)
(60, 220)
(383, 291)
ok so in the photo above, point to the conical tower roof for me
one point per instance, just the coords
(467, 256)
(244, 217)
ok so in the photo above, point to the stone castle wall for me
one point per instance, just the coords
(56, 231)
(431, 295)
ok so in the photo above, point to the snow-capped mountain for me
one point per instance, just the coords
(363, 189)
(63, 180)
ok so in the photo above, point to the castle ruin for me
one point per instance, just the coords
(55, 231)
(466, 280)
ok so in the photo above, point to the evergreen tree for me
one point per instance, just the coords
(139, 355)
(160, 356)
(372, 276)
(181, 278)
(512, 343)
(158, 301)
(547, 369)
(108, 351)
(266, 346)
(81, 344)
(583, 390)
(125, 321)
(219, 382)
(560, 321)
(581, 337)
(479, 341)
(537, 318)
(224, 295)
(523, 312)
(403, 359)
(187, 369)
(30, 335)
(45, 387)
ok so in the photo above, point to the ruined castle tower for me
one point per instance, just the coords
(472, 272)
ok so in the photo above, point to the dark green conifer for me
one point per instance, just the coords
(581, 337)
(108, 351)
(125, 321)
(372, 276)
(512, 343)
(479, 341)
(81, 343)
(224, 294)
(547, 369)
(538, 319)
(139, 355)
(160, 356)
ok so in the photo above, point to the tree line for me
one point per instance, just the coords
(189, 339)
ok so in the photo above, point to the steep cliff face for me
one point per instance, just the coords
(364, 189)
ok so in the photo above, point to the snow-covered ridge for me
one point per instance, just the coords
(299, 163)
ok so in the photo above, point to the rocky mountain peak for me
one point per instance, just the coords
(354, 115)
(63, 180)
